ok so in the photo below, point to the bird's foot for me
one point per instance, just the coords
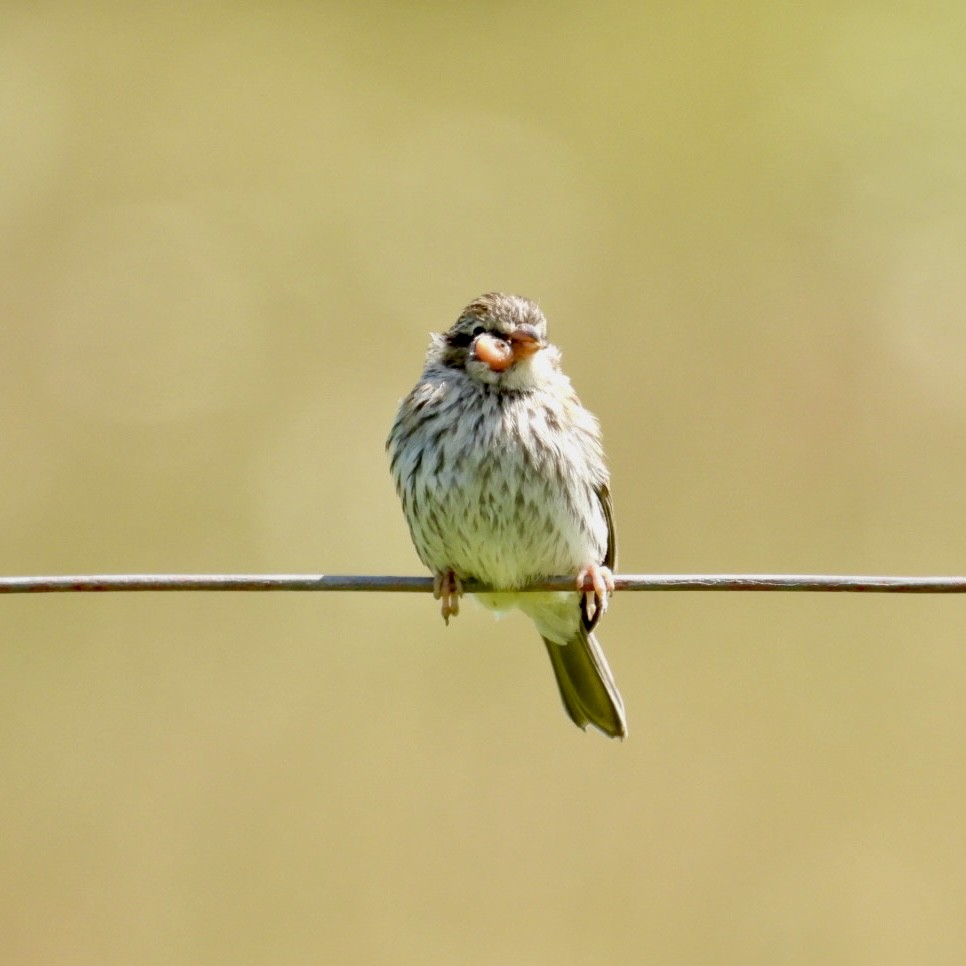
(448, 589)
(596, 583)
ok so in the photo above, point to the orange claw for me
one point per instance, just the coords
(596, 582)
(448, 588)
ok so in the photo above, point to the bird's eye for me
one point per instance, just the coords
(460, 338)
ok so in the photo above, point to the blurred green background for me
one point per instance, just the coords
(226, 232)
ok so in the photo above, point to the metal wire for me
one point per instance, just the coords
(317, 582)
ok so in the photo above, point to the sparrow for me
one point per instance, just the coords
(502, 479)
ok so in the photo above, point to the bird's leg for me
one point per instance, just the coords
(448, 588)
(596, 583)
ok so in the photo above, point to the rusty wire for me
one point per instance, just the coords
(330, 582)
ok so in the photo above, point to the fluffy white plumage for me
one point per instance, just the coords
(502, 479)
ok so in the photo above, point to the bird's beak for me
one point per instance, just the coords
(501, 353)
(525, 341)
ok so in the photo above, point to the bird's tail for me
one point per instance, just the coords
(586, 684)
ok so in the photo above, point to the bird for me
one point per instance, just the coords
(501, 474)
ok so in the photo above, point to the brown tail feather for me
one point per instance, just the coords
(586, 684)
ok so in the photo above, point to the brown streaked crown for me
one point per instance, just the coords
(496, 313)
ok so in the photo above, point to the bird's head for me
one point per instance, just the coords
(500, 340)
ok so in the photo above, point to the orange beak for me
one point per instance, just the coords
(499, 355)
(525, 341)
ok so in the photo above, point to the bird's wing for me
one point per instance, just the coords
(610, 553)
